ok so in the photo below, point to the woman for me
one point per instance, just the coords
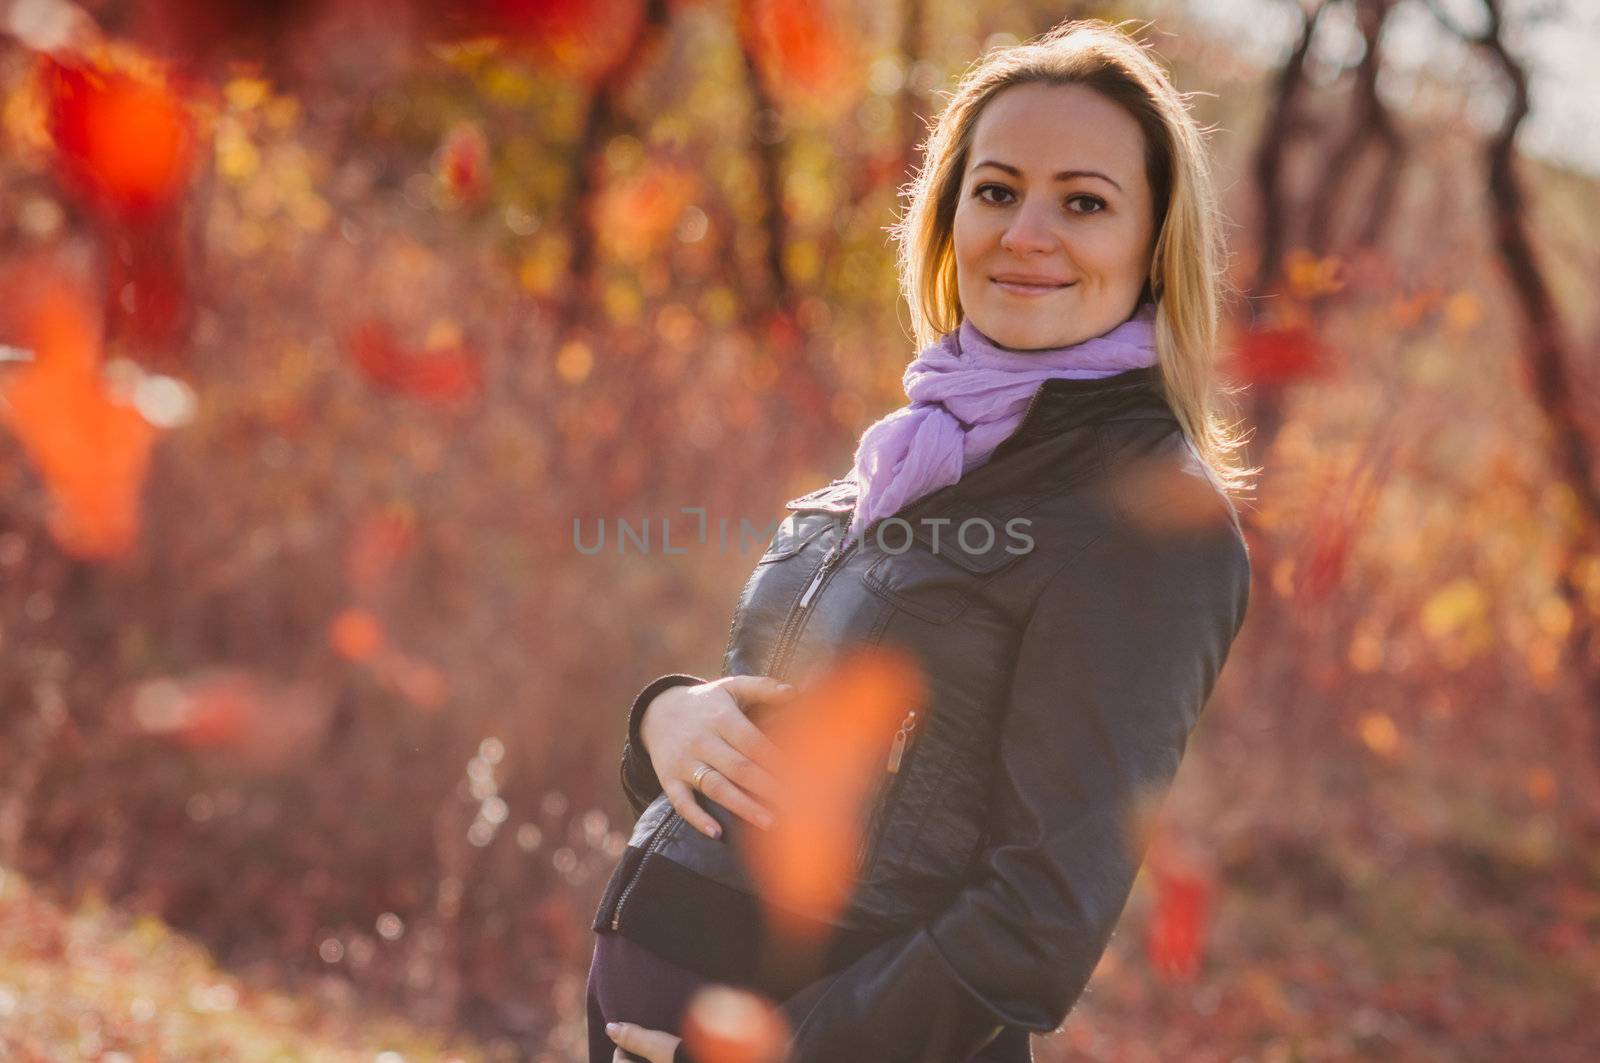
(1062, 260)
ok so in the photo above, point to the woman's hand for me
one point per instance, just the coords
(657, 1046)
(685, 727)
(653, 1045)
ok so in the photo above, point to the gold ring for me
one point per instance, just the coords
(699, 775)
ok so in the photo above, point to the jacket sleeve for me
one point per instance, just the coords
(1121, 651)
(639, 780)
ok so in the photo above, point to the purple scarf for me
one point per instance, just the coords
(968, 394)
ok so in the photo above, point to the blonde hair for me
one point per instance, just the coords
(1186, 278)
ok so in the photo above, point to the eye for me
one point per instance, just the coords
(979, 192)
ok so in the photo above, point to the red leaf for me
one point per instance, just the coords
(1325, 559)
(445, 375)
(254, 721)
(807, 59)
(201, 34)
(378, 542)
(1278, 356)
(147, 300)
(464, 163)
(1178, 924)
(125, 142)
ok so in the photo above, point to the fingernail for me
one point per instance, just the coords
(613, 1028)
(764, 822)
(714, 831)
(786, 688)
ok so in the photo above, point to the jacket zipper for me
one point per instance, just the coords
(656, 840)
(786, 639)
(796, 619)
(897, 751)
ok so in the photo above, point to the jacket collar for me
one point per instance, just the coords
(1059, 405)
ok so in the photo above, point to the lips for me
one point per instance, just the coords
(1032, 279)
(1020, 284)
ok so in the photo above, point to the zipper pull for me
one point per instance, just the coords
(897, 749)
(816, 581)
(822, 573)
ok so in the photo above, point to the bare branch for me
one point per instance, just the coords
(1371, 125)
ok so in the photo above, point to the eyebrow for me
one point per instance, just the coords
(1064, 175)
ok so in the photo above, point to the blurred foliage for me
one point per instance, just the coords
(102, 983)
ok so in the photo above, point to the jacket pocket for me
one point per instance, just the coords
(933, 587)
(943, 565)
(920, 585)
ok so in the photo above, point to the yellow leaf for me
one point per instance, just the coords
(1453, 607)
(1379, 733)
(1541, 784)
(1462, 312)
(244, 93)
(574, 362)
(1555, 617)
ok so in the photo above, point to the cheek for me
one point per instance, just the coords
(967, 238)
(960, 245)
(1118, 248)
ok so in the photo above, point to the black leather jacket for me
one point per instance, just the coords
(1064, 681)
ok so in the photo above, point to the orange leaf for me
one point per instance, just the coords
(423, 685)
(637, 214)
(834, 737)
(91, 451)
(722, 1024)
(580, 39)
(356, 634)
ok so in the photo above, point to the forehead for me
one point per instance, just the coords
(1041, 129)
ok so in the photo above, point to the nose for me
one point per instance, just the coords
(1029, 229)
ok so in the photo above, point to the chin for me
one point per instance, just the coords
(1025, 339)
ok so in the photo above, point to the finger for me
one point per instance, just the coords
(749, 740)
(726, 793)
(682, 798)
(653, 1044)
(744, 773)
(751, 690)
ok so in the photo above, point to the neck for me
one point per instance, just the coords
(1144, 311)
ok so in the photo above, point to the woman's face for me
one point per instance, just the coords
(1055, 225)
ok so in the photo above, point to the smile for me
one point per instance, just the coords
(1019, 288)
